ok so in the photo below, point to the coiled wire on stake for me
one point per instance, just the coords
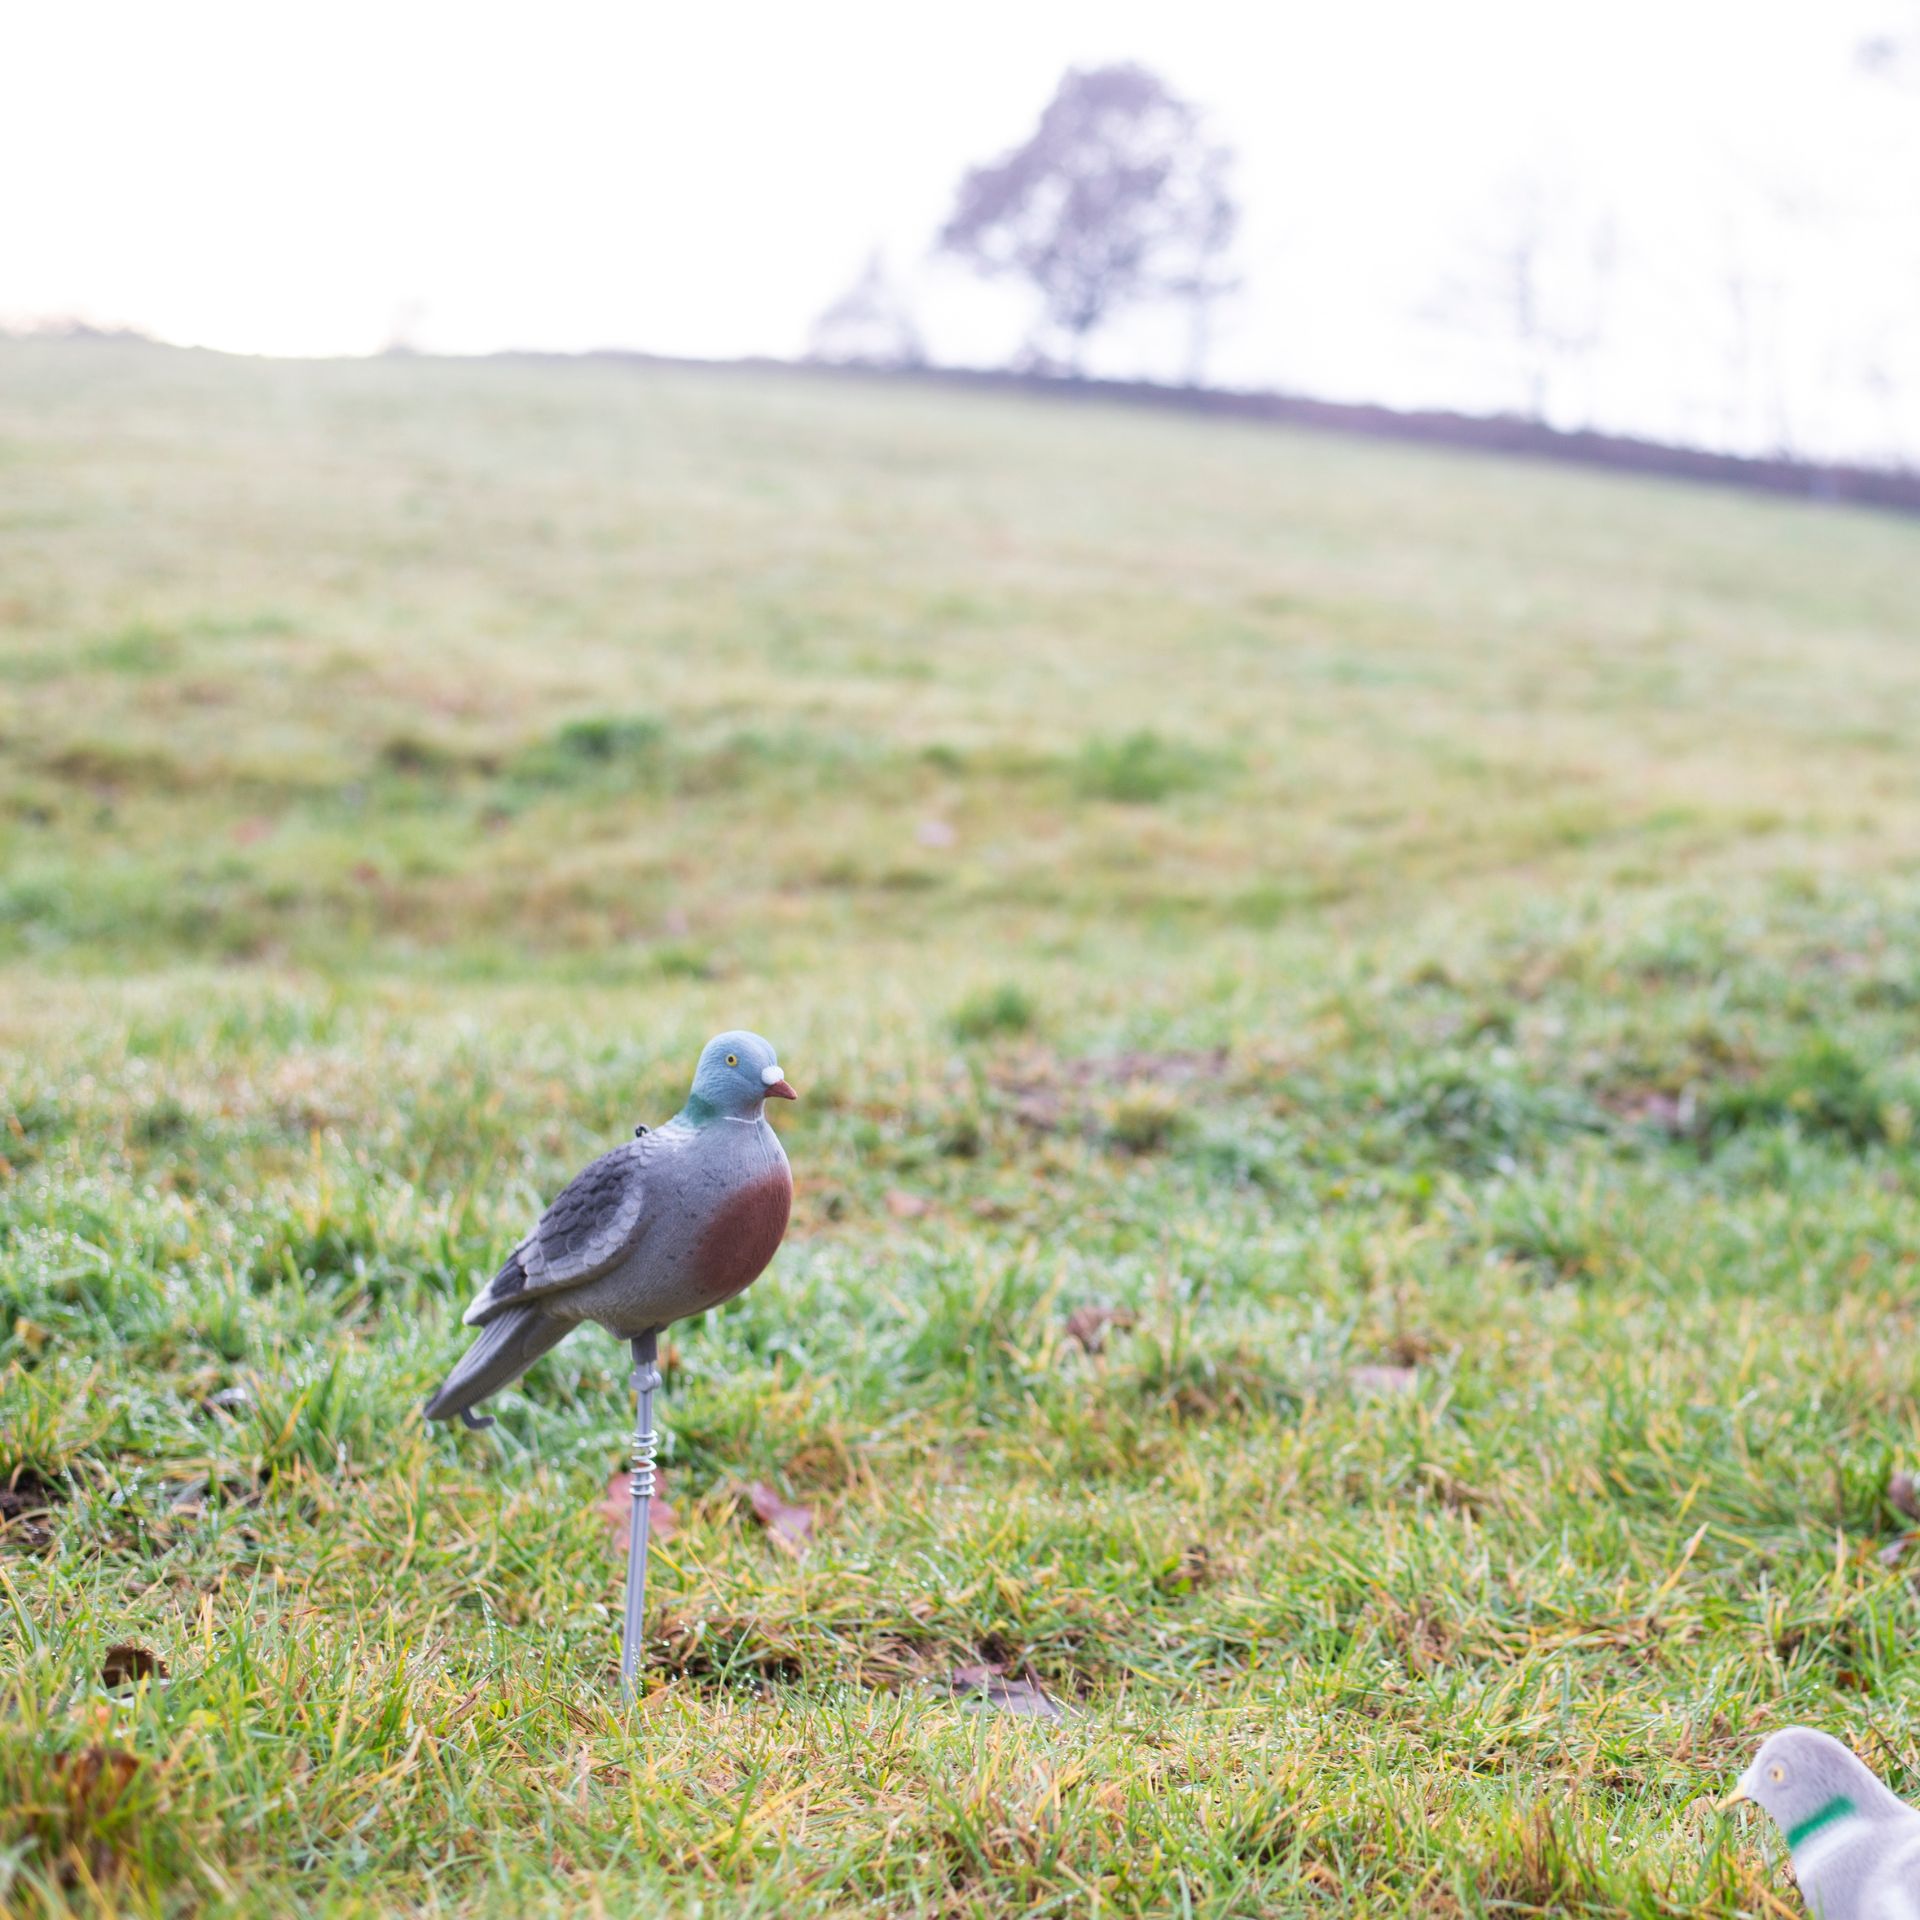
(646, 1447)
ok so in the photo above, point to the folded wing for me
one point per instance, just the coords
(595, 1224)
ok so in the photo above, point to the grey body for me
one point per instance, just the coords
(1855, 1845)
(668, 1224)
(622, 1244)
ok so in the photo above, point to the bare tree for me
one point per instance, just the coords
(870, 325)
(1737, 284)
(1116, 198)
(1537, 282)
(1760, 402)
(1207, 281)
(403, 329)
(1893, 52)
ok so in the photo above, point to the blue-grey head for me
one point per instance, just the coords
(737, 1072)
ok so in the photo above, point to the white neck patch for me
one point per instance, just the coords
(1813, 1854)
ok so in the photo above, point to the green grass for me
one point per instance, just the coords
(1432, 945)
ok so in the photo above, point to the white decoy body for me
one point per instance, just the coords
(1855, 1845)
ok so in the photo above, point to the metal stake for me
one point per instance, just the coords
(646, 1443)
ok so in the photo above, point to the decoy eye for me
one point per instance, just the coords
(1776, 1773)
(733, 1059)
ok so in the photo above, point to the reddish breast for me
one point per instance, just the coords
(743, 1236)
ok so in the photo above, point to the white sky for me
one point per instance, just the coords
(289, 178)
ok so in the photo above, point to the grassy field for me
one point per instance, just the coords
(1430, 946)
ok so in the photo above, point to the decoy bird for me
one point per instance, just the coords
(1855, 1846)
(670, 1223)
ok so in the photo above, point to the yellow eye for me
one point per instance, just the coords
(733, 1059)
(1776, 1773)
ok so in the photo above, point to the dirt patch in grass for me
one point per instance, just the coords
(719, 1650)
(26, 1509)
(1134, 1099)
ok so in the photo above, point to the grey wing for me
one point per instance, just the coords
(597, 1221)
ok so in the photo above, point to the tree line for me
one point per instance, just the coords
(1118, 199)
(1122, 199)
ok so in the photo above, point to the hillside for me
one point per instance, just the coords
(1431, 943)
(479, 665)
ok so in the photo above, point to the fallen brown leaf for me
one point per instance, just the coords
(125, 1666)
(1904, 1492)
(791, 1527)
(1383, 1381)
(96, 1778)
(1195, 1567)
(907, 1206)
(1040, 1112)
(1665, 1112)
(1088, 1325)
(616, 1509)
(987, 1689)
(1453, 1493)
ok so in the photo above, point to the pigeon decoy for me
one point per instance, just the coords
(670, 1223)
(1855, 1846)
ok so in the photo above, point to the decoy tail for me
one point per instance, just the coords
(508, 1345)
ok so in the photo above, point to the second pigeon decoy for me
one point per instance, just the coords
(1855, 1845)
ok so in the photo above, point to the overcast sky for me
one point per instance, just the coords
(275, 177)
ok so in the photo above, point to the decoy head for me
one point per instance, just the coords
(738, 1071)
(1807, 1781)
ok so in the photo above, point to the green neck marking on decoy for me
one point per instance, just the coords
(1838, 1808)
